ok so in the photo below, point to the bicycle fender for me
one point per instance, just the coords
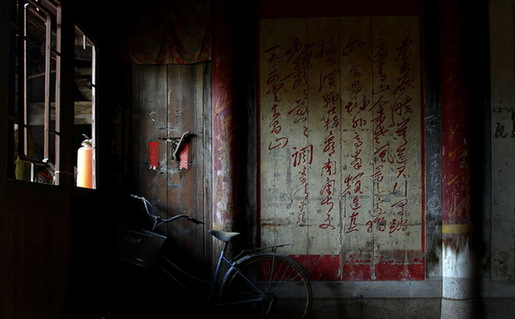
(244, 258)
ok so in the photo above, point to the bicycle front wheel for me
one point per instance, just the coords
(268, 286)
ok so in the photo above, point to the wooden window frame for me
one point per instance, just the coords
(49, 13)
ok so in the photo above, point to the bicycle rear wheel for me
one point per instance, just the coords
(278, 286)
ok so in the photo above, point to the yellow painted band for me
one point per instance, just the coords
(457, 228)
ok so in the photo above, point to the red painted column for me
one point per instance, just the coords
(457, 255)
(224, 121)
(455, 121)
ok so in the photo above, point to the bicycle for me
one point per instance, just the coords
(254, 283)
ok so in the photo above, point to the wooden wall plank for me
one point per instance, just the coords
(283, 123)
(153, 122)
(38, 251)
(324, 101)
(182, 196)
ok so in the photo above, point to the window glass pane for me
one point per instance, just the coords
(84, 124)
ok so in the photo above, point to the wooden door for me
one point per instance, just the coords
(170, 100)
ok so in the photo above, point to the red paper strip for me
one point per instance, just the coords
(184, 157)
(154, 155)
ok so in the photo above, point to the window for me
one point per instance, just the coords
(84, 128)
(34, 91)
(34, 111)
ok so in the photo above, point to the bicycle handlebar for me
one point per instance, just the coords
(157, 219)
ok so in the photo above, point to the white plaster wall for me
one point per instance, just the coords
(502, 39)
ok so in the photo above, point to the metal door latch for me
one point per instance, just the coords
(176, 144)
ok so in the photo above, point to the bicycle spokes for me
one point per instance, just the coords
(269, 286)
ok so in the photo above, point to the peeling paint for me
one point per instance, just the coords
(224, 125)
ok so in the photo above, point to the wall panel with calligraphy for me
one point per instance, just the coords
(341, 145)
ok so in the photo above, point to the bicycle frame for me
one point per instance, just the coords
(233, 266)
(222, 259)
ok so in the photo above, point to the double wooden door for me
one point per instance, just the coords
(170, 101)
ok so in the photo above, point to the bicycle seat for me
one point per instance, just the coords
(223, 235)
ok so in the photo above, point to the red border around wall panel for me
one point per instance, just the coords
(363, 267)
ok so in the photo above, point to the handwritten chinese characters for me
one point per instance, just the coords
(341, 134)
